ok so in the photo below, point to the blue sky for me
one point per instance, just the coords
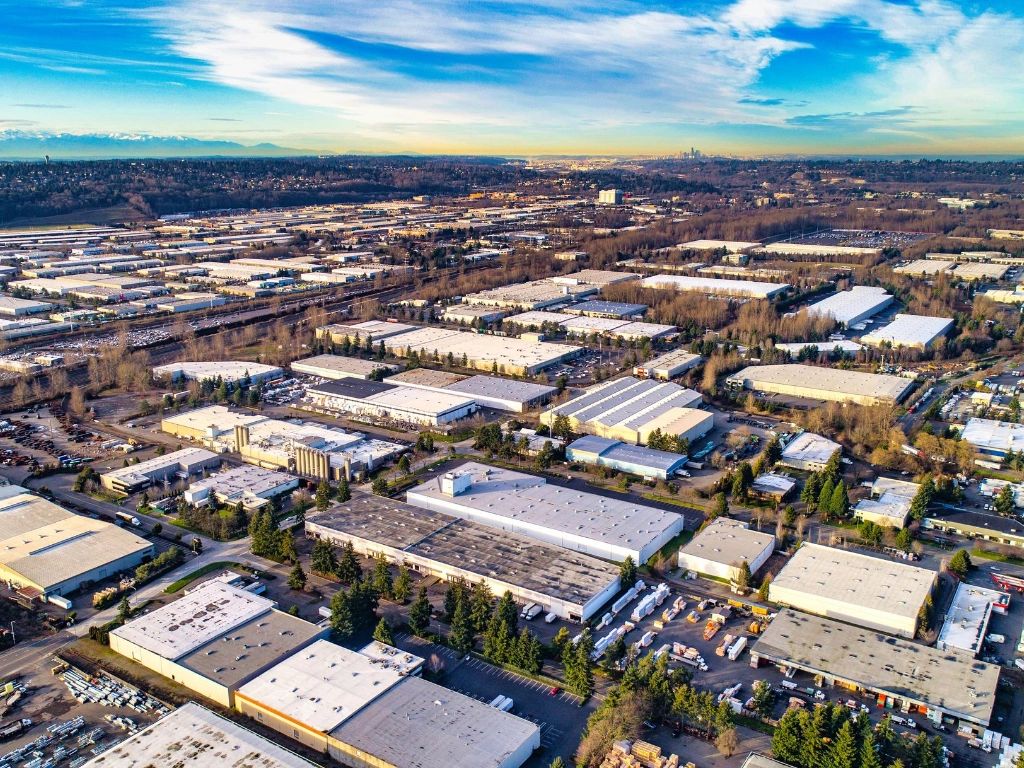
(749, 77)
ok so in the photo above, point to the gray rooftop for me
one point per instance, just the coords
(882, 663)
(500, 388)
(638, 455)
(614, 308)
(728, 541)
(418, 724)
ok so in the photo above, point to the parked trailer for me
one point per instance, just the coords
(625, 600)
(724, 645)
(737, 648)
(14, 729)
(643, 609)
(129, 518)
(506, 705)
(497, 701)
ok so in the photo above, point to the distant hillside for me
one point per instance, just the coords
(35, 145)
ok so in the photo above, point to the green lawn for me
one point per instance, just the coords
(999, 558)
(184, 581)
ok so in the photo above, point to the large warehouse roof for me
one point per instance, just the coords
(495, 387)
(338, 366)
(880, 663)
(321, 686)
(193, 620)
(857, 580)
(226, 370)
(464, 544)
(194, 737)
(822, 383)
(851, 306)
(716, 286)
(183, 460)
(728, 542)
(607, 308)
(418, 724)
(626, 402)
(995, 437)
(733, 246)
(484, 349)
(47, 545)
(909, 331)
(809, 448)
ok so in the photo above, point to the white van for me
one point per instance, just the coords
(551, 618)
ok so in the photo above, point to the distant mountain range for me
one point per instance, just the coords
(35, 145)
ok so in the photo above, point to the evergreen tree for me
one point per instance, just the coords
(843, 751)
(481, 603)
(923, 497)
(579, 677)
(744, 576)
(868, 755)
(323, 560)
(460, 636)
(403, 585)
(787, 741)
(382, 632)
(772, 453)
(558, 762)
(382, 583)
(363, 601)
(323, 496)
(839, 505)
(809, 493)
(825, 498)
(832, 466)
(721, 506)
(297, 578)
(344, 492)
(341, 616)
(627, 573)
(348, 569)
(1004, 503)
(960, 564)
(904, 539)
(380, 485)
(763, 590)
(419, 613)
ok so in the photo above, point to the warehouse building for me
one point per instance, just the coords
(184, 464)
(713, 286)
(772, 486)
(209, 425)
(732, 246)
(925, 267)
(815, 249)
(853, 306)
(335, 367)
(599, 277)
(483, 352)
(472, 314)
(605, 527)
(214, 639)
(231, 371)
(818, 383)
(192, 736)
(12, 307)
(534, 320)
(374, 330)
(251, 486)
(630, 409)
(1007, 531)
(849, 586)
(809, 452)
(993, 439)
(719, 549)
(381, 402)
(903, 676)
(494, 392)
(418, 723)
(568, 584)
(613, 310)
(668, 366)
(47, 550)
(648, 463)
(912, 331)
(968, 617)
(830, 347)
(889, 505)
(536, 294)
(619, 329)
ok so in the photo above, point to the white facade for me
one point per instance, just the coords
(852, 306)
(720, 548)
(914, 331)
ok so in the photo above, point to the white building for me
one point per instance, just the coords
(184, 464)
(389, 403)
(809, 451)
(230, 371)
(610, 197)
(819, 383)
(249, 485)
(913, 331)
(994, 439)
(852, 306)
(668, 366)
(335, 367)
(968, 617)
(749, 289)
(720, 547)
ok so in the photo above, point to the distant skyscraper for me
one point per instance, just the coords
(610, 197)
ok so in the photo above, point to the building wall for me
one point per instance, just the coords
(71, 585)
(722, 570)
(359, 407)
(833, 608)
(192, 680)
(799, 390)
(280, 722)
(351, 756)
(883, 520)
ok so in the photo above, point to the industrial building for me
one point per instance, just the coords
(815, 249)
(605, 527)
(902, 675)
(192, 736)
(494, 392)
(568, 584)
(598, 277)
(648, 463)
(534, 320)
(340, 367)
(967, 619)
(471, 314)
(483, 352)
(365, 713)
(853, 306)
(183, 464)
(732, 246)
(719, 549)
(47, 550)
(610, 197)
(977, 525)
(630, 409)
(251, 486)
(832, 346)
(536, 294)
(772, 486)
(373, 330)
(214, 639)
(849, 586)
(889, 505)
(13, 307)
(713, 286)
(819, 383)
(668, 366)
(993, 439)
(382, 402)
(579, 326)
(230, 371)
(911, 331)
(613, 310)
(809, 452)
(925, 267)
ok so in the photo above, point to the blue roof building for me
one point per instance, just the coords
(634, 459)
(611, 309)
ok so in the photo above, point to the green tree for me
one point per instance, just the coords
(763, 590)
(323, 560)
(904, 539)
(403, 585)
(809, 493)
(323, 496)
(481, 603)
(843, 751)
(344, 492)
(832, 466)
(743, 576)
(558, 762)
(124, 610)
(839, 505)
(720, 507)
(960, 564)
(382, 632)
(403, 464)
(579, 677)
(297, 578)
(419, 614)
(382, 582)
(825, 498)
(1004, 503)
(868, 753)
(341, 615)
(348, 569)
(380, 485)
(923, 497)
(772, 453)
(627, 572)
(788, 739)
(460, 634)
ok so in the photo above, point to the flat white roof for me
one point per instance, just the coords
(994, 436)
(328, 366)
(967, 618)
(228, 370)
(859, 302)
(538, 317)
(483, 348)
(733, 246)
(860, 581)
(192, 736)
(808, 446)
(728, 542)
(910, 331)
(185, 458)
(925, 267)
(627, 402)
(322, 685)
(196, 618)
(215, 419)
(844, 345)
(718, 286)
(826, 380)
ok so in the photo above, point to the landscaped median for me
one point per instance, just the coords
(184, 581)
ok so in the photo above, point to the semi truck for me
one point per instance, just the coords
(129, 518)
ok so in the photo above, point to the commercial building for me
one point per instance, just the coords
(720, 548)
(993, 439)
(340, 367)
(471, 314)
(976, 271)
(374, 330)
(902, 675)
(214, 639)
(568, 584)
(668, 366)
(47, 550)
(230, 371)
(648, 463)
(598, 277)
(809, 452)
(771, 485)
(621, 329)
(852, 587)
(382, 402)
(486, 391)
(536, 294)
(890, 503)
(967, 619)
(483, 352)
(731, 246)
(613, 310)
(629, 409)
(853, 306)
(184, 464)
(925, 267)
(712, 286)
(610, 197)
(418, 723)
(192, 736)
(832, 346)
(605, 527)
(913, 331)
(815, 249)
(251, 486)
(819, 383)
(1007, 531)
(12, 307)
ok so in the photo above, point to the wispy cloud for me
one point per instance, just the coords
(42, 106)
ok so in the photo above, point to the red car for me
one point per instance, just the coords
(553, 691)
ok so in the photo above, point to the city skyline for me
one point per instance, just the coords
(745, 77)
